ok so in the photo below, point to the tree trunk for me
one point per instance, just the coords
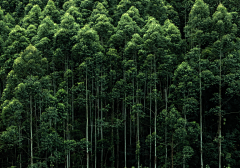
(117, 138)
(31, 130)
(150, 164)
(151, 119)
(184, 160)
(155, 117)
(138, 141)
(95, 137)
(125, 132)
(72, 100)
(91, 122)
(87, 121)
(98, 103)
(20, 163)
(124, 105)
(36, 119)
(172, 150)
(101, 125)
(220, 116)
(112, 134)
(200, 84)
(166, 107)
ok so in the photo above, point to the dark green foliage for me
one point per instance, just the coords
(114, 83)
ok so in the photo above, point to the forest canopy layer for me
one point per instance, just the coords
(119, 83)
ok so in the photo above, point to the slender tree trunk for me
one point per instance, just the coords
(166, 107)
(31, 130)
(200, 84)
(155, 117)
(112, 134)
(130, 125)
(125, 132)
(125, 123)
(54, 91)
(184, 160)
(133, 85)
(68, 135)
(36, 119)
(144, 102)
(172, 150)
(117, 138)
(150, 119)
(101, 125)
(87, 121)
(138, 125)
(220, 115)
(72, 100)
(138, 141)
(20, 163)
(98, 106)
(91, 112)
(95, 136)
(91, 124)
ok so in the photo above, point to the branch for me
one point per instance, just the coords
(231, 113)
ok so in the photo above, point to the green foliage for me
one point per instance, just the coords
(63, 63)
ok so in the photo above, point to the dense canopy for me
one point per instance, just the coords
(119, 83)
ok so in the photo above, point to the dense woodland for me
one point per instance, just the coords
(110, 83)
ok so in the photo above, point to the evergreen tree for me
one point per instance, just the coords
(226, 30)
(51, 11)
(16, 42)
(198, 31)
(32, 17)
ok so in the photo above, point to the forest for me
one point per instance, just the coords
(119, 83)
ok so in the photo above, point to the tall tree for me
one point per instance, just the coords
(88, 46)
(16, 42)
(197, 30)
(226, 30)
(155, 41)
(28, 68)
(125, 29)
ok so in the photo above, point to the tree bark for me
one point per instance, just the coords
(87, 120)
(200, 84)
(138, 141)
(155, 117)
(112, 134)
(166, 107)
(117, 138)
(220, 116)
(172, 150)
(184, 161)
(31, 130)
(95, 136)
(101, 125)
(151, 119)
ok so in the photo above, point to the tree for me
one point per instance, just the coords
(89, 48)
(51, 10)
(101, 23)
(198, 29)
(26, 71)
(119, 82)
(16, 42)
(170, 62)
(156, 43)
(33, 17)
(131, 65)
(125, 29)
(222, 24)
